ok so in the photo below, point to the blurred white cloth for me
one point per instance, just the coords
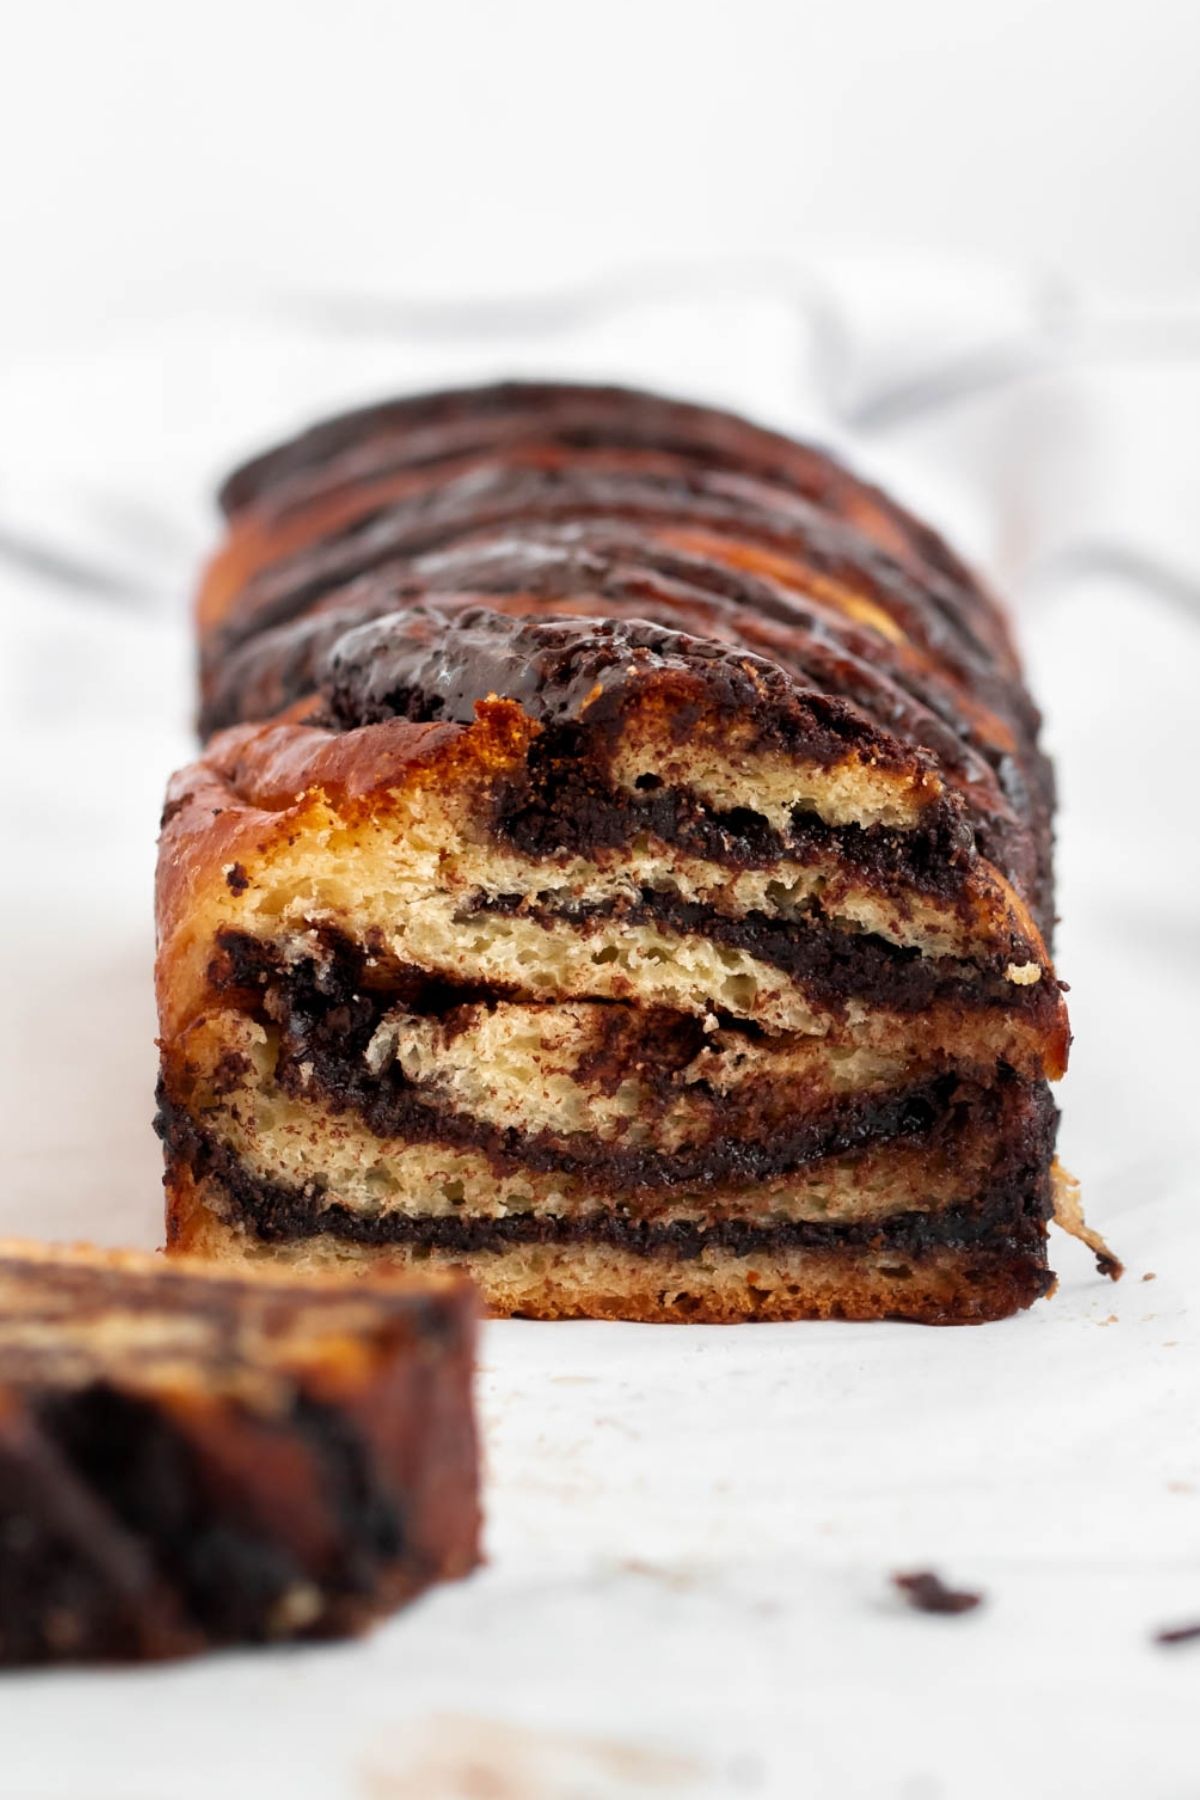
(690, 1530)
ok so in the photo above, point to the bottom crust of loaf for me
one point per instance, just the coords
(943, 1285)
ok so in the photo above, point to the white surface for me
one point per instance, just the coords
(155, 153)
(690, 1530)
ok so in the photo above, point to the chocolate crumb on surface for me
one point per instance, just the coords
(236, 878)
(927, 1592)
(1179, 1634)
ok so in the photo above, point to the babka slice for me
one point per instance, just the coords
(621, 870)
(191, 1459)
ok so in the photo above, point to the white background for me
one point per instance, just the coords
(959, 240)
(153, 154)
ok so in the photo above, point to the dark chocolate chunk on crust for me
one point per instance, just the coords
(927, 1592)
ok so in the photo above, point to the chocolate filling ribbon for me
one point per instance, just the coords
(327, 1015)
(1010, 1218)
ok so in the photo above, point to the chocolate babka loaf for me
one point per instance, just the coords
(191, 1459)
(620, 868)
